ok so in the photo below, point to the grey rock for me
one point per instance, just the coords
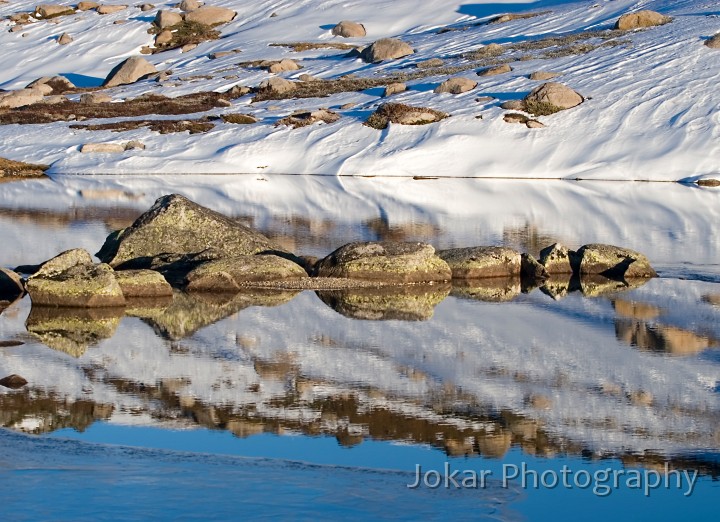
(612, 261)
(386, 49)
(482, 261)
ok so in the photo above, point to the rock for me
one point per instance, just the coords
(52, 10)
(386, 49)
(385, 261)
(165, 18)
(515, 118)
(102, 148)
(110, 9)
(551, 97)
(543, 75)
(277, 85)
(176, 225)
(534, 124)
(531, 271)
(429, 64)
(62, 262)
(348, 29)
(44, 89)
(146, 7)
(95, 97)
(20, 98)
(713, 42)
(229, 274)
(64, 39)
(143, 283)
(403, 115)
(13, 381)
(283, 65)
(481, 262)
(188, 47)
(54, 99)
(494, 71)
(405, 303)
(210, 15)
(134, 145)
(87, 6)
(456, 86)
(556, 259)
(129, 71)
(558, 286)
(16, 28)
(394, 88)
(614, 262)
(59, 84)
(488, 50)
(189, 5)
(81, 286)
(639, 19)
(11, 285)
(240, 90)
(308, 78)
(513, 105)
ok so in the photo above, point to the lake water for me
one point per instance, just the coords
(604, 398)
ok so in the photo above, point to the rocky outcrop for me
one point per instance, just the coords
(386, 49)
(456, 86)
(52, 10)
(385, 261)
(176, 225)
(612, 261)
(482, 261)
(230, 274)
(348, 29)
(129, 71)
(143, 283)
(640, 19)
(210, 15)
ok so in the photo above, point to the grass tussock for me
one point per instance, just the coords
(149, 104)
(303, 119)
(187, 33)
(198, 126)
(311, 46)
(403, 114)
(540, 108)
(19, 169)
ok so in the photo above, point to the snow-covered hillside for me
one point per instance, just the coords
(650, 109)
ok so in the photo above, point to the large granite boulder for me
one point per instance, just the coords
(386, 49)
(385, 261)
(229, 274)
(612, 261)
(210, 15)
(551, 97)
(482, 261)
(176, 225)
(348, 29)
(129, 71)
(640, 19)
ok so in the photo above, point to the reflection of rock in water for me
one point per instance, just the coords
(634, 310)
(496, 289)
(189, 313)
(596, 285)
(713, 299)
(557, 286)
(402, 303)
(73, 330)
(40, 411)
(661, 338)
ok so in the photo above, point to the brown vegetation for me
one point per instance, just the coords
(187, 33)
(162, 126)
(18, 169)
(400, 113)
(311, 46)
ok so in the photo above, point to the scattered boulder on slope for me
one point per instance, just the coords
(495, 70)
(713, 42)
(64, 39)
(95, 97)
(59, 84)
(640, 19)
(550, 98)
(543, 76)
(283, 66)
(189, 5)
(277, 85)
(165, 18)
(385, 261)
(229, 274)
(129, 71)
(52, 10)
(386, 49)
(176, 225)
(612, 261)
(87, 6)
(348, 29)
(456, 86)
(210, 15)
(110, 9)
(113, 148)
(20, 98)
(482, 261)
(394, 88)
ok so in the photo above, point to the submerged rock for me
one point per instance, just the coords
(613, 261)
(385, 261)
(482, 261)
(406, 303)
(176, 225)
(229, 274)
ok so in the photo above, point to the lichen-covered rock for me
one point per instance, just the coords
(639, 19)
(613, 261)
(456, 86)
(531, 270)
(129, 71)
(80, 286)
(62, 262)
(386, 49)
(143, 283)
(348, 29)
(385, 261)
(11, 285)
(556, 259)
(551, 97)
(482, 261)
(407, 303)
(229, 274)
(176, 225)
(210, 15)
(599, 285)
